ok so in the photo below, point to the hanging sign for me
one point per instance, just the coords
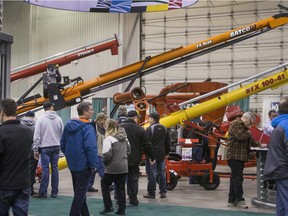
(114, 6)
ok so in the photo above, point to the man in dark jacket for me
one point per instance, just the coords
(15, 151)
(139, 142)
(78, 145)
(276, 165)
(156, 172)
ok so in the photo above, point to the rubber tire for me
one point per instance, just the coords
(205, 182)
(174, 156)
(173, 182)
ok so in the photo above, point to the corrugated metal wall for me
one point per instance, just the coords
(164, 31)
(42, 32)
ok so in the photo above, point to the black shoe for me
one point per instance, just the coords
(163, 195)
(120, 213)
(148, 196)
(53, 196)
(33, 193)
(105, 211)
(39, 196)
(133, 203)
(92, 189)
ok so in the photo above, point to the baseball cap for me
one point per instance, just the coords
(132, 113)
(30, 114)
(47, 105)
(155, 116)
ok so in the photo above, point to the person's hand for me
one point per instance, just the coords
(36, 155)
(263, 145)
(93, 170)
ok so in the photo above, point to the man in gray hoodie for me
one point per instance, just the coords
(46, 142)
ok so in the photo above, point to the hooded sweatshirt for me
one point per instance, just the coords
(276, 164)
(78, 145)
(48, 131)
(115, 152)
(30, 122)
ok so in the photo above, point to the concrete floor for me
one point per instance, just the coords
(183, 195)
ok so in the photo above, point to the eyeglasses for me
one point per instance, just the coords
(250, 121)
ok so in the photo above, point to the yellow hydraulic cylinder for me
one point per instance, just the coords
(273, 81)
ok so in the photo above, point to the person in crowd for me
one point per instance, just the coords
(47, 135)
(78, 145)
(238, 146)
(160, 140)
(100, 124)
(116, 149)
(29, 120)
(276, 164)
(122, 114)
(139, 142)
(267, 128)
(16, 140)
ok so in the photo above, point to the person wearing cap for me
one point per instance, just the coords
(15, 150)
(139, 142)
(160, 140)
(30, 121)
(47, 135)
(79, 147)
(100, 123)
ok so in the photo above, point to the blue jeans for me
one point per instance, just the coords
(80, 180)
(282, 197)
(100, 171)
(17, 199)
(49, 155)
(156, 173)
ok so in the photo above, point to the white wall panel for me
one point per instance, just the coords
(41, 32)
(210, 18)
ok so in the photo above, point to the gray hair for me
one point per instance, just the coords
(83, 106)
(249, 115)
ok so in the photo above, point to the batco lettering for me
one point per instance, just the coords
(242, 31)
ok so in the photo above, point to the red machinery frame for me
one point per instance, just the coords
(176, 168)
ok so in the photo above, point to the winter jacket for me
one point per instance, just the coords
(139, 142)
(239, 141)
(48, 131)
(115, 153)
(79, 145)
(15, 149)
(276, 164)
(160, 140)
